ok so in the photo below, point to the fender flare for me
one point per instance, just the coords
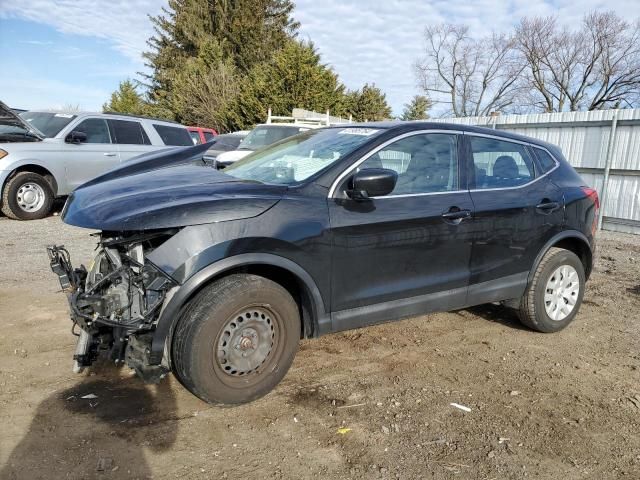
(551, 242)
(169, 313)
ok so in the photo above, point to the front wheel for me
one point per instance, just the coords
(554, 296)
(27, 196)
(236, 339)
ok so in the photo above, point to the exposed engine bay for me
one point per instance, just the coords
(115, 303)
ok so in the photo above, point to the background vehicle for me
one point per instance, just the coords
(260, 137)
(277, 128)
(219, 274)
(224, 143)
(44, 155)
(201, 134)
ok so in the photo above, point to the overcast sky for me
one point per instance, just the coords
(57, 53)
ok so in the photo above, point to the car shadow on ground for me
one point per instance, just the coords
(99, 428)
(498, 313)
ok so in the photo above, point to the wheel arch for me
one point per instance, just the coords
(283, 271)
(571, 240)
(35, 168)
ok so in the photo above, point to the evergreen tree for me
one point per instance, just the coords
(244, 32)
(126, 100)
(417, 108)
(223, 63)
(293, 78)
(368, 104)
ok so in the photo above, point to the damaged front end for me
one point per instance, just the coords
(115, 303)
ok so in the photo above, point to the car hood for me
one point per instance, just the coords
(10, 118)
(156, 193)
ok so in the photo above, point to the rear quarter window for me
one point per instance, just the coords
(545, 160)
(174, 136)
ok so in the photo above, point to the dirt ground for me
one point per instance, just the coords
(371, 403)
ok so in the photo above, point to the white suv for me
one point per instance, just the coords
(46, 154)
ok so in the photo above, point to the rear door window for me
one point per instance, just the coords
(208, 136)
(126, 132)
(174, 136)
(95, 129)
(500, 163)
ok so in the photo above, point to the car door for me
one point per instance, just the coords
(407, 252)
(96, 155)
(131, 138)
(517, 209)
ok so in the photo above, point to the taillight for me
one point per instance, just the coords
(592, 194)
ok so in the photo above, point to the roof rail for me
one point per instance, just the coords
(305, 117)
(142, 116)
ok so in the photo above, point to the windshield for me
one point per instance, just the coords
(297, 158)
(266, 135)
(49, 123)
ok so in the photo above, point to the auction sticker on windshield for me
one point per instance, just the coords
(358, 131)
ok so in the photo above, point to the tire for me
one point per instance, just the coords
(560, 274)
(16, 204)
(236, 316)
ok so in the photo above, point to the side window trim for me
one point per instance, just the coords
(527, 145)
(340, 179)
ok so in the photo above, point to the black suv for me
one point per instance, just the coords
(216, 275)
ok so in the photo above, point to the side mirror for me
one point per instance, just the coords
(76, 137)
(372, 182)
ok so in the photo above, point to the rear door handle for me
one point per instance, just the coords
(109, 154)
(548, 206)
(455, 215)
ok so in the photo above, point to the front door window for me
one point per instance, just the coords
(425, 163)
(95, 129)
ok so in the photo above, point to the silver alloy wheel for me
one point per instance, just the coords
(30, 197)
(561, 293)
(246, 341)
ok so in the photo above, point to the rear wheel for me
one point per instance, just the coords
(236, 339)
(554, 296)
(27, 196)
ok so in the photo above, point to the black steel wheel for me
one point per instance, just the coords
(236, 339)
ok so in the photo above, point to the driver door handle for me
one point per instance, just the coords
(109, 154)
(456, 215)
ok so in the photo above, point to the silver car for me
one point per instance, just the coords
(44, 155)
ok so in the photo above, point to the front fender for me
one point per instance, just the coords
(179, 297)
(56, 171)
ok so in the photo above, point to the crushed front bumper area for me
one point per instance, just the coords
(113, 305)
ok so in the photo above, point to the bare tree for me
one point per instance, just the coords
(595, 67)
(204, 93)
(472, 77)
